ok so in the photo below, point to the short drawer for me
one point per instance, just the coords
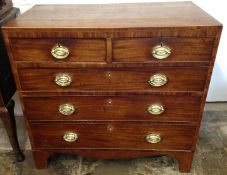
(162, 49)
(113, 135)
(131, 107)
(157, 79)
(64, 50)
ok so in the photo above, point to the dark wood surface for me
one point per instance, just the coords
(121, 135)
(7, 84)
(119, 69)
(183, 49)
(137, 15)
(124, 50)
(120, 108)
(113, 79)
(38, 50)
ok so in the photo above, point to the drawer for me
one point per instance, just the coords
(132, 107)
(162, 49)
(156, 79)
(113, 135)
(65, 50)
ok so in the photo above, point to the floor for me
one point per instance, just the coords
(210, 157)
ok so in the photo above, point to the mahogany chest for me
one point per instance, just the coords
(113, 81)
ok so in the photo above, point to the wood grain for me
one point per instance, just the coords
(137, 15)
(124, 108)
(121, 135)
(120, 69)
(38, 50)
(182, 49)
(113, 79)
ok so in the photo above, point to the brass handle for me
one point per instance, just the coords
(158, 80)
(153, 138)
(70, 137)
(66, 109)
(156, 109)
(60, 52)
(63, 80)
(161, 51)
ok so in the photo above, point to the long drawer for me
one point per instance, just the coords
(55, 50)
(162, 49)
(132, 107)
(153, 79)
(113, 135)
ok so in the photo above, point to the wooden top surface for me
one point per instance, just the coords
(135, 15)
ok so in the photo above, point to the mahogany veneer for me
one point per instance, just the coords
(116, 136)
(82, 50)
(113, 81)
(184, 49)
(121, 107)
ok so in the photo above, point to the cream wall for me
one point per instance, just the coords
(217, 8)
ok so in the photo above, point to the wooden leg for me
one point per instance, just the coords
(41, 158)
(184, 160)
(9, 122)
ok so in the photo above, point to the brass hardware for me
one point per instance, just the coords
(109, 74)
(70, 137)
(153, 138)
(66, 109)
(110, 101)
(156, 109)
(161, 51)
(158, 80)
(110, 128)
(60, 52)
(63, 80)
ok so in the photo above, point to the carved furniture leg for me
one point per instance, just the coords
(9, 122)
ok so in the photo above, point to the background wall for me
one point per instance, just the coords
(217, 8)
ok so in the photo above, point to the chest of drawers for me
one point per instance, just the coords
(113, 81)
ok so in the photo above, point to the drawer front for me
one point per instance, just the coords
(119, 135)
(161, 79)
(64, 50)
(146, 50)
(140, 107)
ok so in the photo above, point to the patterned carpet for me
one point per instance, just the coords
(210, 157)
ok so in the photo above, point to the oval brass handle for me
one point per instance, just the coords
(158, 80)
(60, 52)
(66, 109)
(70, 137)
(161, 51)
(153, 138)
(63, 80)
(156, 109)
